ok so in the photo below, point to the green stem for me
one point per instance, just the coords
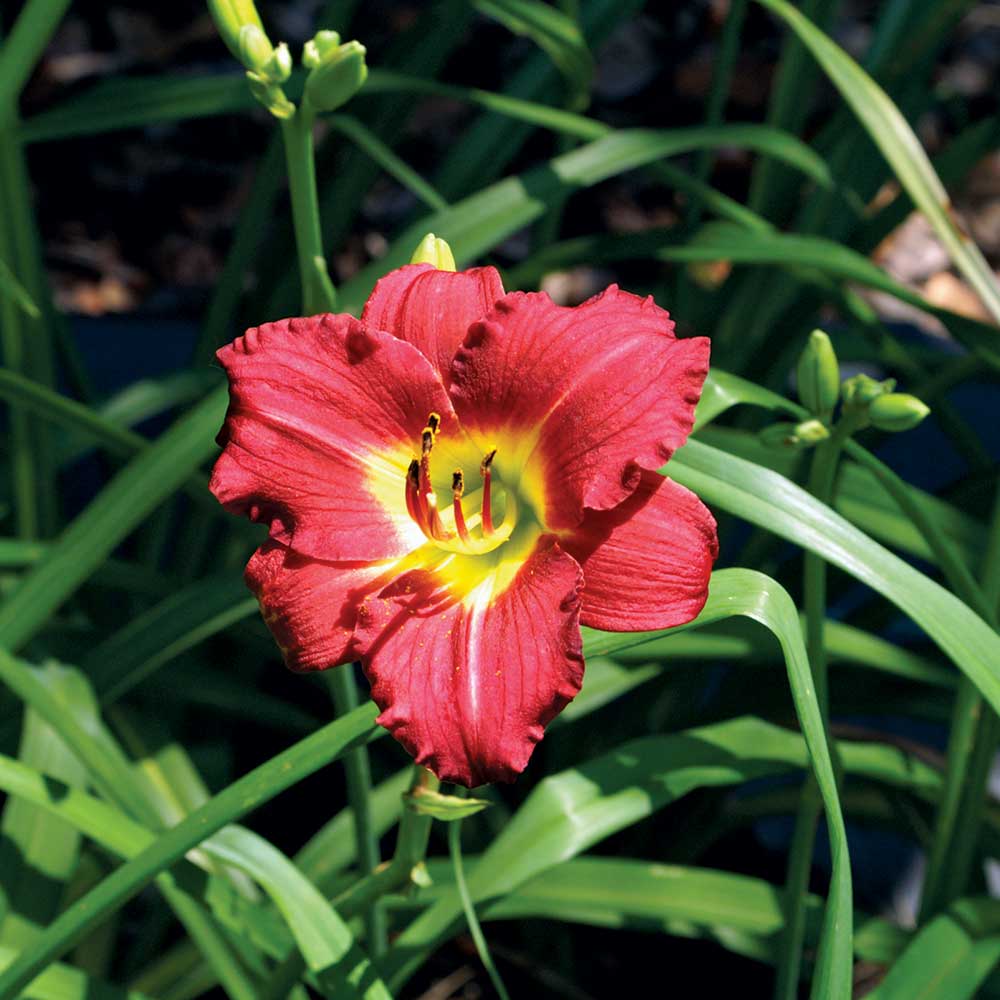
(972, 745)
(975, 731)
(25, 341)
(455, 849)
(23, 474)
(991, 563)
(318, 296)
(411, 847)
(721, 82)
(822, 475)
(221, 315)
(318, 293)
(794, 86)
(800, 855)
(359, 785)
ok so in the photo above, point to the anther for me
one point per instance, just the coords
(422, 501)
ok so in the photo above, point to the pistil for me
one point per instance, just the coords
(485, 470)
(457, 489)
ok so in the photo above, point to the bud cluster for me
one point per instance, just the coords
(865, 401)
(336, 71)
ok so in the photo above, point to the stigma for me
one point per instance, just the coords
(451, 531)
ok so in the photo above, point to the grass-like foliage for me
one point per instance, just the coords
(182, 817)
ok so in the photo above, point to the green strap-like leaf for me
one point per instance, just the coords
(324, 939)
(139, 488)
(11, 287)
(571, 811)
(244, 795)
(81, 729)
(900, 146)
(182, 620)
(63, 982)
(776, 504)
(555, 33)
(740, 913)
(332, 848)
(38, 853)
(478, 223)
(382, 154)
(725, 241)
(949, 958)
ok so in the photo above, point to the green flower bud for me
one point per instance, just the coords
(420, 876)
(794, 437)
(897, 411)
(323, 45)
(781, 435)
(811, 432)
(860, 390)
(337, 78)
(255, 49)
(279, 67)
(818, 375)
(434, 250)
(231, 17)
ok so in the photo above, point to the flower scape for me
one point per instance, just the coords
(454, 484)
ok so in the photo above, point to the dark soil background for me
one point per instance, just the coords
(140, 220)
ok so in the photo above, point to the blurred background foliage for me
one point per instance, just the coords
(144, 221)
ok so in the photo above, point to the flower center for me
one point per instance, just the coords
(422, 505)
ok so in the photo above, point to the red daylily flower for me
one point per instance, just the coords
(455, 483)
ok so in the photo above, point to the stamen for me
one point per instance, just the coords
(412, 491)
(487, 508)
(422, 503)
(435, 527)
(457, 489)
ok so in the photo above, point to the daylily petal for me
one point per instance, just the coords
(432, 309)
(311, 606)
(467, 682)
(646, 563)
(324, 416)
(600, 390)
